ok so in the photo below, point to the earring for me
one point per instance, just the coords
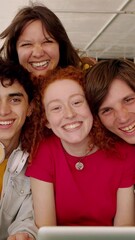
(2, 152)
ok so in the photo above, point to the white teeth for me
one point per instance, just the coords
(40, 64)
(5, 122)
(129, 128)
(72, 126)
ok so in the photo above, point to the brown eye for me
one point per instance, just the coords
(106, 111)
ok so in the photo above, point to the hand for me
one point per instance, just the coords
(20, 236)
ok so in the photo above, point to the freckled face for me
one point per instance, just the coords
(67, 111)
(37, 51)
(117, 112)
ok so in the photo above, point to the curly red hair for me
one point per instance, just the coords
(98, 133)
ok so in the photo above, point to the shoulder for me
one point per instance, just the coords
(42, 165)
(47, 148)
(125, 149)
(127, 152)
(49, 140)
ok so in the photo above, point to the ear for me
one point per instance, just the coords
(30, 109)
(48, 125)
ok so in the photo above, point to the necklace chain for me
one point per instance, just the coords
(79, 165)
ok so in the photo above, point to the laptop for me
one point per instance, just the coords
(86, 233)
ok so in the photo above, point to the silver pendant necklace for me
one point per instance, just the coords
(79, 165)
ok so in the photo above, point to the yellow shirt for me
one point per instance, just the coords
(2, 170)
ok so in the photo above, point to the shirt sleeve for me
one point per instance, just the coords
(42, 164)
(128, 175)
(24, 221)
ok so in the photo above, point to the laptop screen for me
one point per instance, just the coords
(86, 233)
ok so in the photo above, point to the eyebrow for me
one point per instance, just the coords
(122, 99)
(23, 40)
(58, 100)
(18, 94)
(103, 108)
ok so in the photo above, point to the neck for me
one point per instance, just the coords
(10, 146)
(78, 149)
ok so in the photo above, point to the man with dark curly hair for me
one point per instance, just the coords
(16, 96)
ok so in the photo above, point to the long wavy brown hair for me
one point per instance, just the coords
(53, 25)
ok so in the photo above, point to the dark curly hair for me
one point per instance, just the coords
(16, 73)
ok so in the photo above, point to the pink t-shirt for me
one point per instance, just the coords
(86, 197)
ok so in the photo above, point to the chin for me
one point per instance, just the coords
(130, 139)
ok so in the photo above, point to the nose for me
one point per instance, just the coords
(69, 112)
(38, 51)
(122, 115)
(4, 109)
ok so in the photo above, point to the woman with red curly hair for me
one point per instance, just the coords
(77, 178)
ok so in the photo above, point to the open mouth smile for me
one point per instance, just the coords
(72, 126)
(4, 124)
(40, 64)
(129, 129)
